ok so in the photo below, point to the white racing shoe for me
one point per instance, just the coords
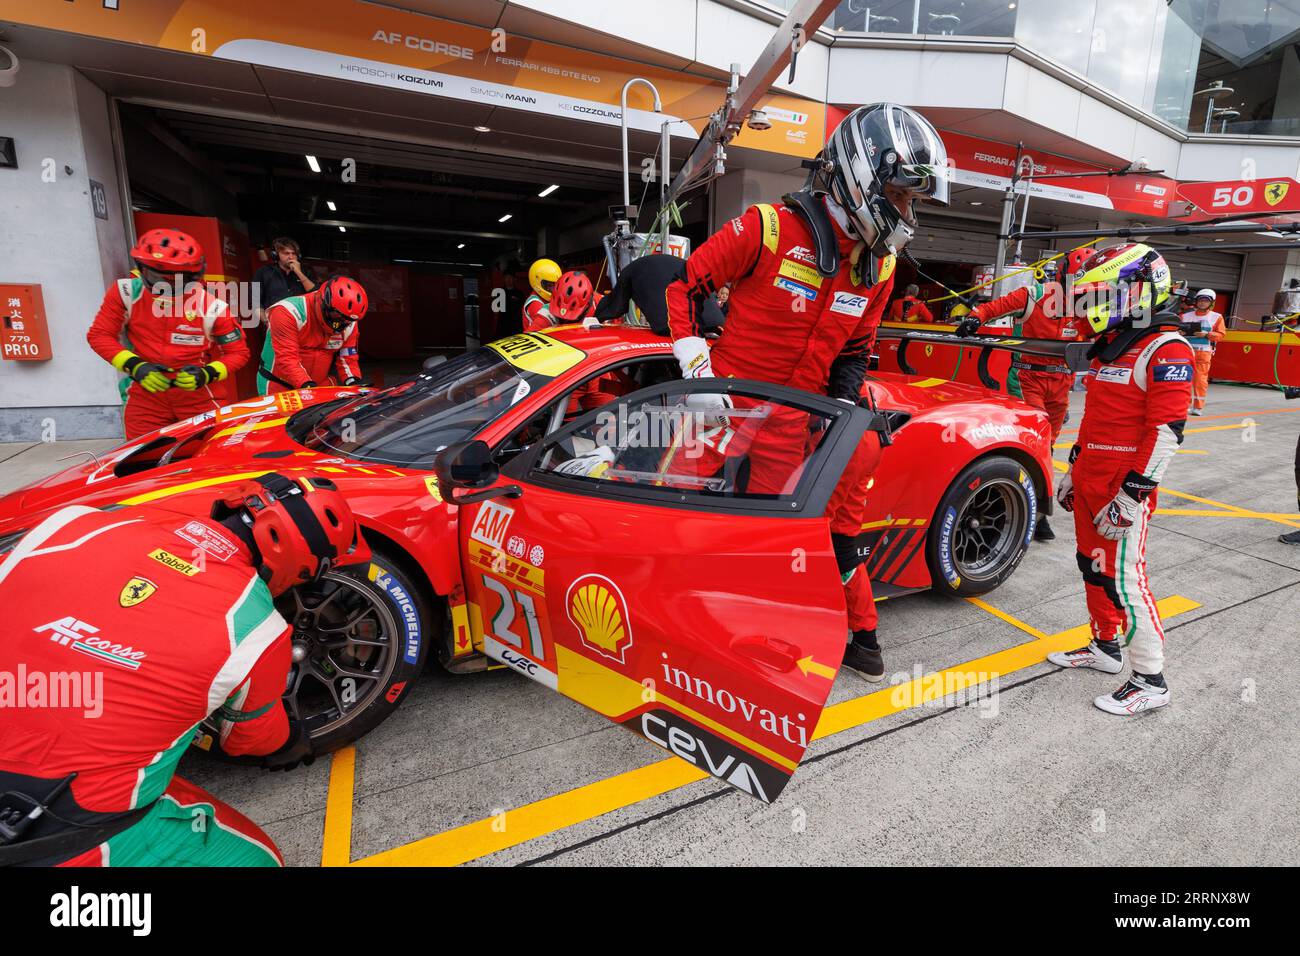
(1136, 696)
(1090, 655)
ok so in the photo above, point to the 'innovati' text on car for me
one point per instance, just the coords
(544, 502)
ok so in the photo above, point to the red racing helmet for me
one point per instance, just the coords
(168, 250)
(1075, 262)
(572, 297)
(343, 300)
(302, 527)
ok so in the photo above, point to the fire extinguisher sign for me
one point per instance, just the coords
(24, 335)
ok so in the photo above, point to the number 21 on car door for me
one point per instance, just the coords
(507, 589)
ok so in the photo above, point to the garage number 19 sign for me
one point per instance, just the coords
(24, 336)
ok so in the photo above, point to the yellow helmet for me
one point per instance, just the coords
(542, 276)
(1120, 285)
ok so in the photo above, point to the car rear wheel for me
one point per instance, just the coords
(360, 637)
(982, 527)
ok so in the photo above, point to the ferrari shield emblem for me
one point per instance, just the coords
(136, 591)
(929, 350)
(1274, 193)
(1245, 350)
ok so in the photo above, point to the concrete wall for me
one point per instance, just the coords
(60, 123)
(739, 189)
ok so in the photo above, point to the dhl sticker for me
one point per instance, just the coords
(497, 562)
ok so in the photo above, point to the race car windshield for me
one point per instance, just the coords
(408, 425)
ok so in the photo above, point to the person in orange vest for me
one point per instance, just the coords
(164, 331)
(1204, 343)
(910, 308)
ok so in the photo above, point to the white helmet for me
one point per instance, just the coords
(1206, 294)
(875, 146)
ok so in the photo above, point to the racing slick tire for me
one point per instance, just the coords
(982, 527)
(361, 636)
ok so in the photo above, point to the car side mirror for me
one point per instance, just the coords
(465, 465)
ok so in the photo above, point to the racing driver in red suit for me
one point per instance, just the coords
(1139, 389)
(809, 282)
(312, 339)
(173, 349)
(161, 619)
(1038, 312)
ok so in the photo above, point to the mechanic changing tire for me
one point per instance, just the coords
(982, 527)
(360, 640)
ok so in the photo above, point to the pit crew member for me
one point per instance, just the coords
(644, 282)
(542, 276)
(171, 620)
(1204, 341)
(910, 308)
(1136, 408)
(1038, 311)
(809, 283)
(164, 331)
(312, 339)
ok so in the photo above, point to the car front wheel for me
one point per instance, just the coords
(982, 527)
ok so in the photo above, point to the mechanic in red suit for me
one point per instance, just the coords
(810, 280)
(1139, 389)
(312, 338)
(170, 618)
(1037, 312)
(173, 349)
(573, 299)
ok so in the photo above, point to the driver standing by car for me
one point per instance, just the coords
(1139, 389)
(810, 280)
(162, 620)
(312, 338)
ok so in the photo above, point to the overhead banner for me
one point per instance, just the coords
(380, 46)
(1238, 197)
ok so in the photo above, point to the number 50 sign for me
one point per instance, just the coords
(1238, 197)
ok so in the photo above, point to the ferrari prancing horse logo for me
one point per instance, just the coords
(1274, 193)
(136, 591)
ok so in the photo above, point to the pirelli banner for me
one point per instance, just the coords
(383, 46)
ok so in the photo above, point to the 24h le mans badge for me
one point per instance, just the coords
(136, 591)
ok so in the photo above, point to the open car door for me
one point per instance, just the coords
(672, 570)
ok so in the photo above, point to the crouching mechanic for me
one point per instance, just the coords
(170, 620)
(1039, 311)
(1133, 419)
(810, 279)
(312, 339)
(164, 331)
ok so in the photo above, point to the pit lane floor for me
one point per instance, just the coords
(491, 769)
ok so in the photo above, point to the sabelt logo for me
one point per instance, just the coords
(167, 559)
(597, 609)
(423, 44)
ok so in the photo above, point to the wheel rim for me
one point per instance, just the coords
(344, 651)
(990, 528)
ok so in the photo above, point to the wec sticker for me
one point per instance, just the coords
(1115, 374)
(849, 303)
(180, 338)
(1172, 372)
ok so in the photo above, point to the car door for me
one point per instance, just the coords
(672, 570)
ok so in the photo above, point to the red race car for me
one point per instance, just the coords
(557, 503)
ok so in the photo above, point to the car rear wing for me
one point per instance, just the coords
(1072, 355)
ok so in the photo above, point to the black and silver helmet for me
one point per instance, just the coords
(876, 145)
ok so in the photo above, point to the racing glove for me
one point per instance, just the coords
(593, 465)
(968, 326)
(308, 384)
(711, 408)
(191, 377)
(150, 376)
(1120, 513)
(1065, 487)
(353, 380)
(692, 354)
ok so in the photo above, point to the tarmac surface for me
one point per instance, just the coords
(492, 769)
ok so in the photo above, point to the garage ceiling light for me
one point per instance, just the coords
(343, 228)
(461, 246)
(482, 129)
(330, 203)
(506, 217)
(315, 166)
(548, 190)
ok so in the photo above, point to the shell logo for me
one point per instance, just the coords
(597, 609)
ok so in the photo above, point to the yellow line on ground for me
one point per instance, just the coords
(1244, 512)
(1199, 513)
(336, 848)
(1215, 428)
(1191, 451)
(531, 821)
(1013, 621)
